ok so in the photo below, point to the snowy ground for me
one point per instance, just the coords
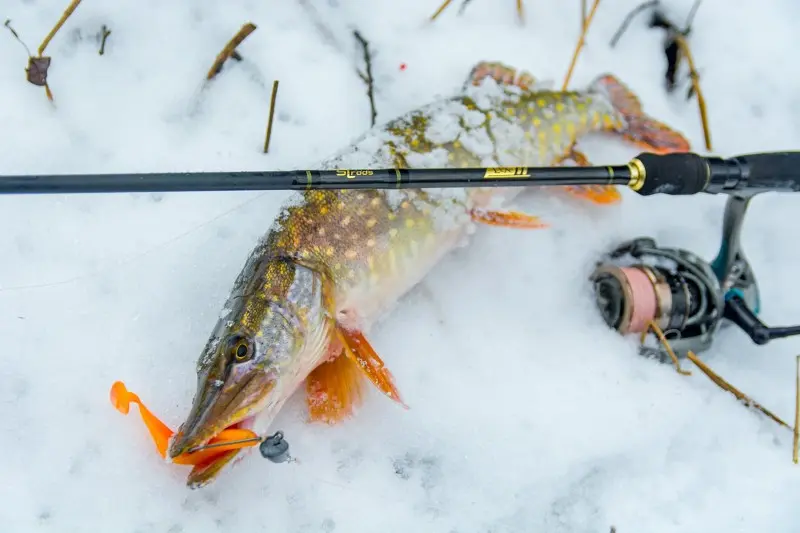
(527, 414)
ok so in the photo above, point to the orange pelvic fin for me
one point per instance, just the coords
(599, 194)
(641, 130)
(507, 219)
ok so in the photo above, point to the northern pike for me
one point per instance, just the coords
(335, 261)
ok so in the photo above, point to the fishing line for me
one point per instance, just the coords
(127, 261)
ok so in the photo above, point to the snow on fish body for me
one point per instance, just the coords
(336, 260)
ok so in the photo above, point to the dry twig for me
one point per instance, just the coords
(271, 115)
(676, 49)
(796, 443)
(724, 385)
(230, 50)
(105, 32)
(443, 6)
(585, 28)
(367, 78)
(36, 72)
(695, 89)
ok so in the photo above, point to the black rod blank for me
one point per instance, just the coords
(648, 173)
(312, 179)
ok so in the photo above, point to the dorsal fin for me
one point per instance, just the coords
(502, 74)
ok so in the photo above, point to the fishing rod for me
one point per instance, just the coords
(646, 174)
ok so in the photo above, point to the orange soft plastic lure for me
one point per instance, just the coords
(121, 399)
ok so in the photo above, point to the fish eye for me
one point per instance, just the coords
(240, 348)
(242, 351)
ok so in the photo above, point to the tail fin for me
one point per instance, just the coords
(640, 129)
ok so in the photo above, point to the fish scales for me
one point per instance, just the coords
(335, 261)
(370, 238)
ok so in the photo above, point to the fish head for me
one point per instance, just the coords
(253, 359)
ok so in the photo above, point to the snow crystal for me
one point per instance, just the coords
(526, 413)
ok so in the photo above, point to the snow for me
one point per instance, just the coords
(527, 414)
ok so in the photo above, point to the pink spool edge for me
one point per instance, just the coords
(644, 299)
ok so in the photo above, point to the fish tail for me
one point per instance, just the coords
(640, 129)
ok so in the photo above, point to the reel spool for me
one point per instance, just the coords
(639, 282)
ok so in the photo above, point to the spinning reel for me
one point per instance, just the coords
(639, 284)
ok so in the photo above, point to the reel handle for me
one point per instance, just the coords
(736, 311)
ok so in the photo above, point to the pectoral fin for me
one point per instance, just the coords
(358, 350)
(335, 387)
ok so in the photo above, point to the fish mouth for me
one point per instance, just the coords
(207, 471)
(213, 412)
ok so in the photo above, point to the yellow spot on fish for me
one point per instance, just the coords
(571, 129)
(371, 222)
(584, 119)
(409, 223)
(560, 107)
(595, 119)
(510, 111)
(608, 122)
(305, 253)
(340, 205)
(329, 251)
(581, 107)
(404, 204)
(541, 102)
(375, 202)
(451, 157)
(456, 144)
(391, 216)
(537, 121)
(350, 254)
(557, 129)
(337, 266)
(542, 136)
(371, 242)
(393, 232)
(323, 210)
